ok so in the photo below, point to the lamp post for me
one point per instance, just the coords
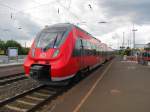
(123, 43)
(134, 30)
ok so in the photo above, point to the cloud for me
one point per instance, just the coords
(137, 10)
(33, 15)
(20, 29)
(17, 26)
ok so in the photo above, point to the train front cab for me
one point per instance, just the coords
(50, 63)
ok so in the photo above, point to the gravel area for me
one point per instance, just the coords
(11, 70)
(6, 110)
(17, 88)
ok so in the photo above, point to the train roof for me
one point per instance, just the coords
(104, 44)
(68, 26)
(61, 25)
(87, 33)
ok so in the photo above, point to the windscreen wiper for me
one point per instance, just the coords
(55, 40)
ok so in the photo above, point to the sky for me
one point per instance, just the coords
(106, 20)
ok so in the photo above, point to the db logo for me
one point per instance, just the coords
(43, 55)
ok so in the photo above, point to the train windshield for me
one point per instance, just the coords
(50, 39)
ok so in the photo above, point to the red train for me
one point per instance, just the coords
(60, 51)
(144, 57)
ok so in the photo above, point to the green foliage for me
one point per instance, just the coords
(2, 44)
(25, 51)
(146, 48)
(126, 51)
(12, 43)
(2, 47)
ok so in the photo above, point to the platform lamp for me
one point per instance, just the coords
(102, 22)
(134, 30)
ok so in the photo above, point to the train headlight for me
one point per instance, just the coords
(56, 53)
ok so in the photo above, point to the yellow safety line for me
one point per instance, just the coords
(92, 89)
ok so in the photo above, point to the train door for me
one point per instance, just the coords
(82, 54)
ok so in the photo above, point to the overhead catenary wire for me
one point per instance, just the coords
(69, 4)
(65, 8)
(35, 7)
(35, 2)
(7, 6)
(16, 11)
(23, 11)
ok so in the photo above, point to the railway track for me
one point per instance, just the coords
(11, 78)
(30, 100)
(35, 98)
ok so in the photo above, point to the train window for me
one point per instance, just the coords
(149, 54)
(84, 43)
(78, 44)
(88, 45)
(49, 39)
(100, 49)
(97, 50)
(93, 46)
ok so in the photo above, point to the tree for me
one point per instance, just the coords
(25, 51)
(2, 45)
(128, 51)
(13, 43)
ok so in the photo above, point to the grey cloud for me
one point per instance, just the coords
(137, 10)
(28, 25)
(9, 29)
(118, 13)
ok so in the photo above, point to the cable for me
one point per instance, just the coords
(4, 5)
(35, 7)
(68, 10)
(35, 1)
(69, 4)
(19, 11)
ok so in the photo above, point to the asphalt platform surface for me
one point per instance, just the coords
(118, 86)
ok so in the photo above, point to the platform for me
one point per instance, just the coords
(4, 62)
(11, 64)
(118, 86)
(11, 69)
